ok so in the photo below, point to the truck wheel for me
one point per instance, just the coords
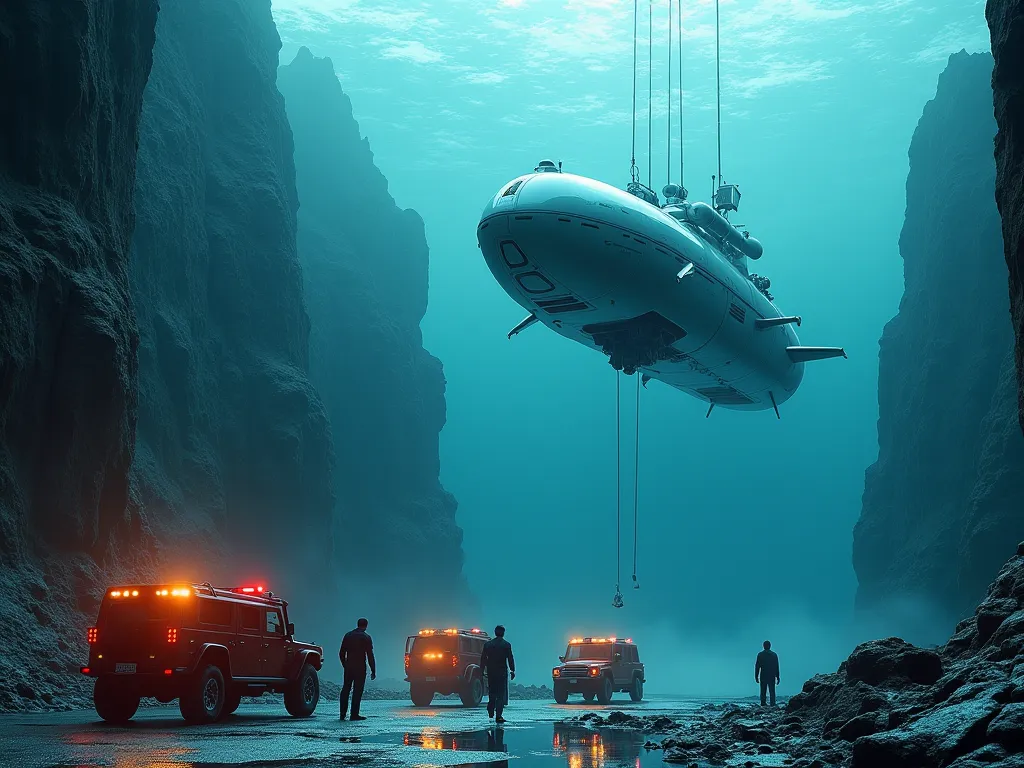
(114, 702)
(421, 695)
(561, 694)
(636, 690)
(204, 696)
(604, 693)
(589, 698)
(303, 693)
(231, 702)
(473, 693)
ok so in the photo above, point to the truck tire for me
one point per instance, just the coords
(561, 694)
(421, 695)
(473, 692)
(636, 690)
(303, 693)
(114, 702)
(604, 693)
(231, 702)
(204, 696)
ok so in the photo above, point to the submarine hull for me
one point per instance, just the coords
(601, 267)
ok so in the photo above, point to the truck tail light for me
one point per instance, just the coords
(556, 672)
(172, 635)
(407, 661)
(455, 660)
(594, 671)
(92, 635)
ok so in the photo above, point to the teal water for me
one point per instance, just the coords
(744, 522)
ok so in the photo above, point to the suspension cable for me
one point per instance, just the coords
(650, 87)
(618, 484)
(668, 158)
(634, 172)
(636, 474)
(680, 44)
(718, 89)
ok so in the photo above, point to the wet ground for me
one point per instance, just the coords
(395, 734)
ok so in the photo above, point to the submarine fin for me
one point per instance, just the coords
(644, 379)
(806, 354)
(774, 404)
(770, 322)
(710, 409)
(687, 270)
(523, 325)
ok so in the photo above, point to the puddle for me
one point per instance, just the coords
(534, 746)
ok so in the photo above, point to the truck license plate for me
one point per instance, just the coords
(124, 669)
(431, 679)
(573, 682)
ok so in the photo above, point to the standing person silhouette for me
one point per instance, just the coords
(496, 654)
(767, 669)
(356, 651)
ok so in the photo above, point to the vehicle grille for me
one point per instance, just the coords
(562, 304)
(573, 672)
(724, 396)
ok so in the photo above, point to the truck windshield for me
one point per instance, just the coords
(125, 614)
(435, 644)
(594, 651)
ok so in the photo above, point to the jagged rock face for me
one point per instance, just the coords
(946, 491)
(890, 705)
(365, 263)
(72, 74)
(1006, 22)
(233, 450)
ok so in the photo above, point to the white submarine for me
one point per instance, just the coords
(663, 290)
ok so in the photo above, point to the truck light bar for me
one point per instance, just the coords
(578, 640)
(453, 631)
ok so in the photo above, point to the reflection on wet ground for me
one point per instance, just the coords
(538, 745)
(396, 735)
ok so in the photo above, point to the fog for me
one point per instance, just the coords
(744, 521)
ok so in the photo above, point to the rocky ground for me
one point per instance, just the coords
(889, 705)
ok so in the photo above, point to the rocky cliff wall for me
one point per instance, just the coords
(233, 454)
(1006, 22)
(72, 74)
(365, 264)
(945, 495)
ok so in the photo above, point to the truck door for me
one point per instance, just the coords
(275, 648)
(620, 665)
(246, 657)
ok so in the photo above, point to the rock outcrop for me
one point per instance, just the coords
(365, 265)
(1006, 22)
(946, 492)
(890, 705)
(233, 452)
(72, 74)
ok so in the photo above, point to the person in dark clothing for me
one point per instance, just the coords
(766, 672)
(356, 651)
(497, 653)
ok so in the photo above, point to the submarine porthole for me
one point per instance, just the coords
(512, 255)
(534, 282)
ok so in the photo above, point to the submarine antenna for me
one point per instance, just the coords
(668, 158)
(634, 172)
(718, 88)
(680, 44)
(650, 88)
